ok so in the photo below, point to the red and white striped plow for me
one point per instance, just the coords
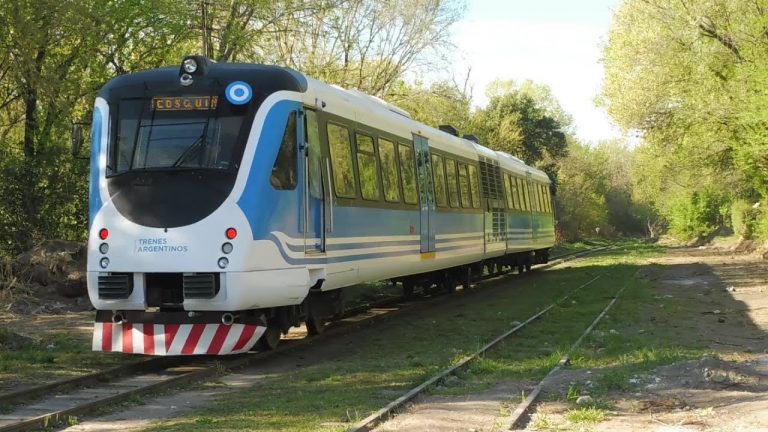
(175, 339)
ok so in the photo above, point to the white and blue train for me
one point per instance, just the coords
(230, 202)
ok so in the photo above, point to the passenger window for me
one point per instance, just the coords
(453, 189)
(513, 192)
(284, 175)
(521, 189)
(439, 169)
(313, 155)
(549, 199)
(366, 166)
(508, 184)
(341, 157)
(527, 195)
(408, 172)
(535, 193)
(473, 186)
(388, 162)
(466, 201)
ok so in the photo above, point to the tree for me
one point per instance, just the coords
(690, 75)
(362, 44)
(523, 121)
(438, 104)
(49, 72)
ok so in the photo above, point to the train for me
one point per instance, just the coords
(231, 202)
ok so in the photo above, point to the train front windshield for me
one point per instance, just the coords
(176, 133)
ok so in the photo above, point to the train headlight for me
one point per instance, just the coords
(223, 263)
(186, 79)
(104, 263)
(189, 65)
(227, 248)
(104, 248)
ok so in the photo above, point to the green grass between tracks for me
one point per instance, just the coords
(334, 393)
(58, 354)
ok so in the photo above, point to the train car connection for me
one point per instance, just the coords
(230, 202)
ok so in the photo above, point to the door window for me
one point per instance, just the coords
(314, 158)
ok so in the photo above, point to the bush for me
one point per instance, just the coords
(696, 215)
(744, 219)
(760, 225)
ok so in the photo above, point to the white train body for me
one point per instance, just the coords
(210, 221)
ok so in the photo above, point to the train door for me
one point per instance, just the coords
(426, 193)
(313, 192)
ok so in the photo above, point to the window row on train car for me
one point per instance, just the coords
(374, 168)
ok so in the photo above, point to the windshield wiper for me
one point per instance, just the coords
(199, 142)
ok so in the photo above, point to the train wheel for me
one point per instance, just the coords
(449, 283)
(520, 267)
(315, 325)
(467, 282)
(408, 289)
(270, 339)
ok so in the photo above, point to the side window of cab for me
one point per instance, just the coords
(284, 171)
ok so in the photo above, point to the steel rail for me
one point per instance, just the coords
(519, 415)
(374, 419)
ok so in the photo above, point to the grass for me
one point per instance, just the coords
(585, 415)
(57, 355)
(572, 247)
(331, 394)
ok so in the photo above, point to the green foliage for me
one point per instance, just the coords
(595, 191)
(744, 219)
(697, 215)
(524, 121)
(437, 104)
(690, 76)
(585, 415)
(761, 225)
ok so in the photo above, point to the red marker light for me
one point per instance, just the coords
(103, 233)
(231, 233)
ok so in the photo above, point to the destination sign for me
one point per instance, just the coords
(184, 103)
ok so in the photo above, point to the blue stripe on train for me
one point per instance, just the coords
(94, 195)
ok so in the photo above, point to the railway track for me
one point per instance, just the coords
(390, 409)
(61, 402)
(519, 416)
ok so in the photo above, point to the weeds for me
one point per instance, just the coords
(584, 415)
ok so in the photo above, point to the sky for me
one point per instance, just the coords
(553, 42)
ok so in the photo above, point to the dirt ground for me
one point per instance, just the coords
(726, 310)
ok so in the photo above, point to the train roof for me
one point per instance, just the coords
(264, 79)
(370, 110)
